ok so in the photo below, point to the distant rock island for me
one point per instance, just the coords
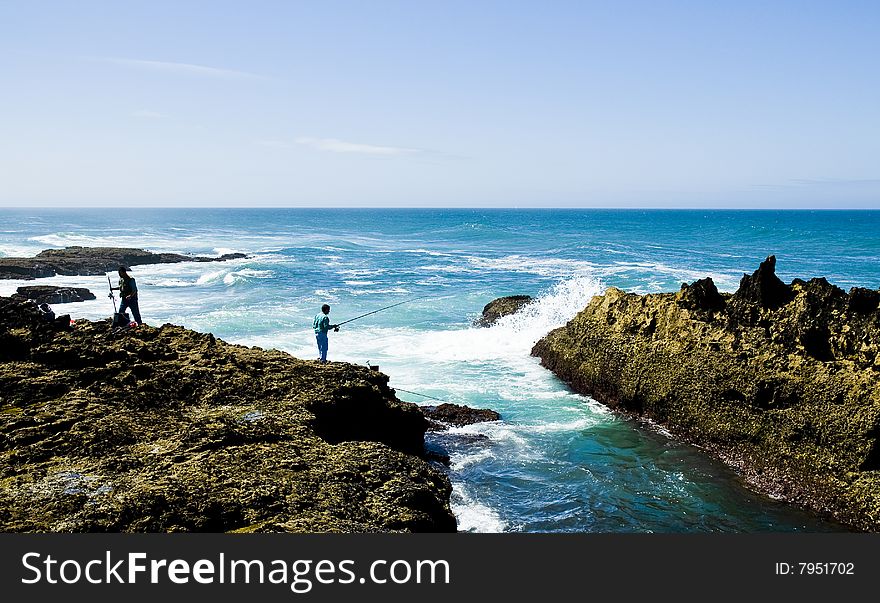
(92, 261)
(49, 294)
(781, 381)
(167, 430)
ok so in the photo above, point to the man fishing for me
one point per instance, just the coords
(322, 326)
(128, 291)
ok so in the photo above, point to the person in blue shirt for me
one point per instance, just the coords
(128, 291)
(322, 326)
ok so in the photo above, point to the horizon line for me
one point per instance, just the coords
(449, 207)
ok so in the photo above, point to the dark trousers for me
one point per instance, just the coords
(131, 302)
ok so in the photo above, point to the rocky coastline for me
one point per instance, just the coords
(166, 429)
(92, 261)
(781, 381)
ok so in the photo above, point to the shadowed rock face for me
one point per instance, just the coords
(762, 290)
(165, 429)
(701, 295)
(781, 381)
(48, 294)
(92, 261)
(502, 306)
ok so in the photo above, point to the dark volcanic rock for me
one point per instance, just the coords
(783, 382)
(446, 414)
(48, 294)
(863, 301)
(91, 261)
(701, 295)
(165, 429)
(762, 290)
(502, 306)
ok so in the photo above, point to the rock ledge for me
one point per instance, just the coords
(782, 381)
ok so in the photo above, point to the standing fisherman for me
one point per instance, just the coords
(322, 325)
(128, 291)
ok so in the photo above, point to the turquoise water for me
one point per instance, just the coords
(557, 461)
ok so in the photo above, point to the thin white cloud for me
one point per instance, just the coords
(334, 145)
(180, 68)
(143, 113)
(275, 144)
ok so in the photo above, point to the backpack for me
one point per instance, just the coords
(121, 319)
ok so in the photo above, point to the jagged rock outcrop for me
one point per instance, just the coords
(442, 416)
(92, 261)
(49, 294)
(502, 306)
(165, 429)
(781, 381)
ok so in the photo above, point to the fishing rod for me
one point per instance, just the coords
(379, 310)
(111, 296)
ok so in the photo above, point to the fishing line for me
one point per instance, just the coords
(375, 367)
(400, 389)
(406, 301)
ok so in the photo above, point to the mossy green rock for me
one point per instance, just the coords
(781, 381)
(165, 429)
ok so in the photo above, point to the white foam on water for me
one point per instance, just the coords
(171, 282)
(20, 251)
(211, 277)
(460, 460)
(195, 242)
(509, 341)
(563, 426)
(240, 276)
(378, 291)
(473, 516)
(451, 269)
(141, 241)
(554, 267)
(429, 252)
(359, 272)
(724, 281)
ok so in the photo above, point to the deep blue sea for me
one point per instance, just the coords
(557, 461)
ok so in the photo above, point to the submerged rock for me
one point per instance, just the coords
(92, 261)
(165, 429)
(502, 306)
(48, 294)
(780, 381)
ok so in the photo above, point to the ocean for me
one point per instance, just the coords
(557, 461)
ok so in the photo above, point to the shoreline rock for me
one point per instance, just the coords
(446, 415)
(166, 429)
(502, 306)
(49, 294)
(782, 382)
(92, 261)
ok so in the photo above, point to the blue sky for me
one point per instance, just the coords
(629, 104)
